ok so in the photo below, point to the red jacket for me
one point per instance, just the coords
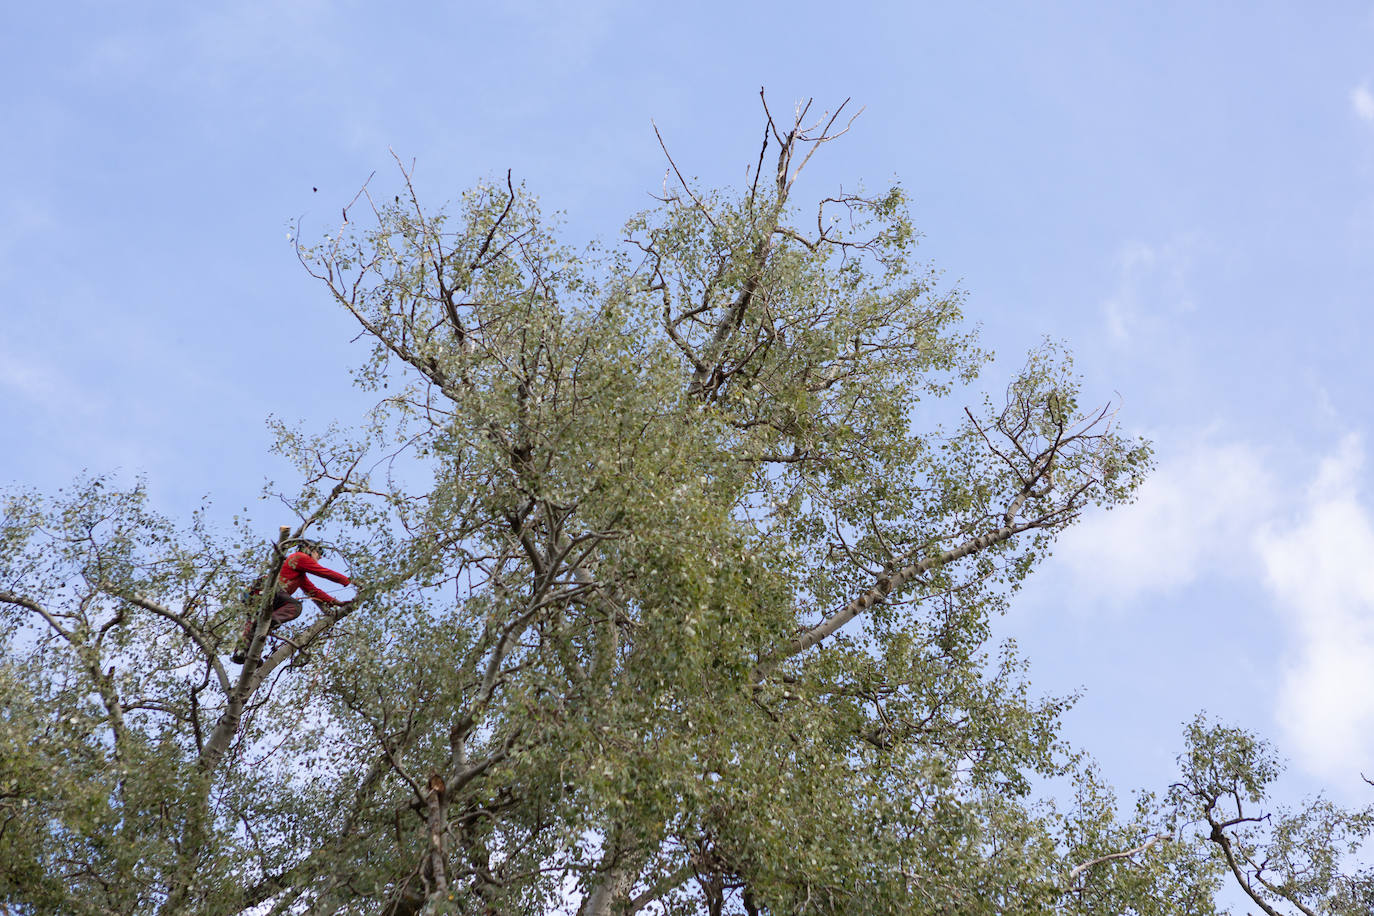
(292, 577)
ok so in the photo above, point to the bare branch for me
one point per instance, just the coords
(825, 137)
(491, 233)
(696, 200)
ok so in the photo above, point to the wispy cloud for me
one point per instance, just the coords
(22, 219)
(1362, 102)
(580, 24)
(219, 49)
(25, 379)
(1152, 282)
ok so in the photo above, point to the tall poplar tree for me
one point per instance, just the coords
(675, 596)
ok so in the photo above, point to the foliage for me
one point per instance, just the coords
(672, 593)
(1285, 861)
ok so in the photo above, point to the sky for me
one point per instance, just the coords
(1181, 192)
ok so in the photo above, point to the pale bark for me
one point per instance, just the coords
(252, 677)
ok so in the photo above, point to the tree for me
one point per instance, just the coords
(673, 593)
(1285, 861)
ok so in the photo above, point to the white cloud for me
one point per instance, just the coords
(1194, 516)
(1320, 569)
(1362, 100)
(1221, 510)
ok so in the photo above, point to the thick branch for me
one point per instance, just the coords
(252, 676)
(11, 598)
(886, 586)
(1125, 854)
(663, 885)
(1221, 839)
(1218, 836)
(186, 627)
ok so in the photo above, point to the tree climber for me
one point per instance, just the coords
(292, 578)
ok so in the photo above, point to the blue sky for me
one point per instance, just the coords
(1182, 192)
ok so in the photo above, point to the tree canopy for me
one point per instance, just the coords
(676, 582)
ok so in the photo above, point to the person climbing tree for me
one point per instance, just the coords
(292, 577)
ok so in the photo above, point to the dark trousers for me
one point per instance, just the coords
(284, 608)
